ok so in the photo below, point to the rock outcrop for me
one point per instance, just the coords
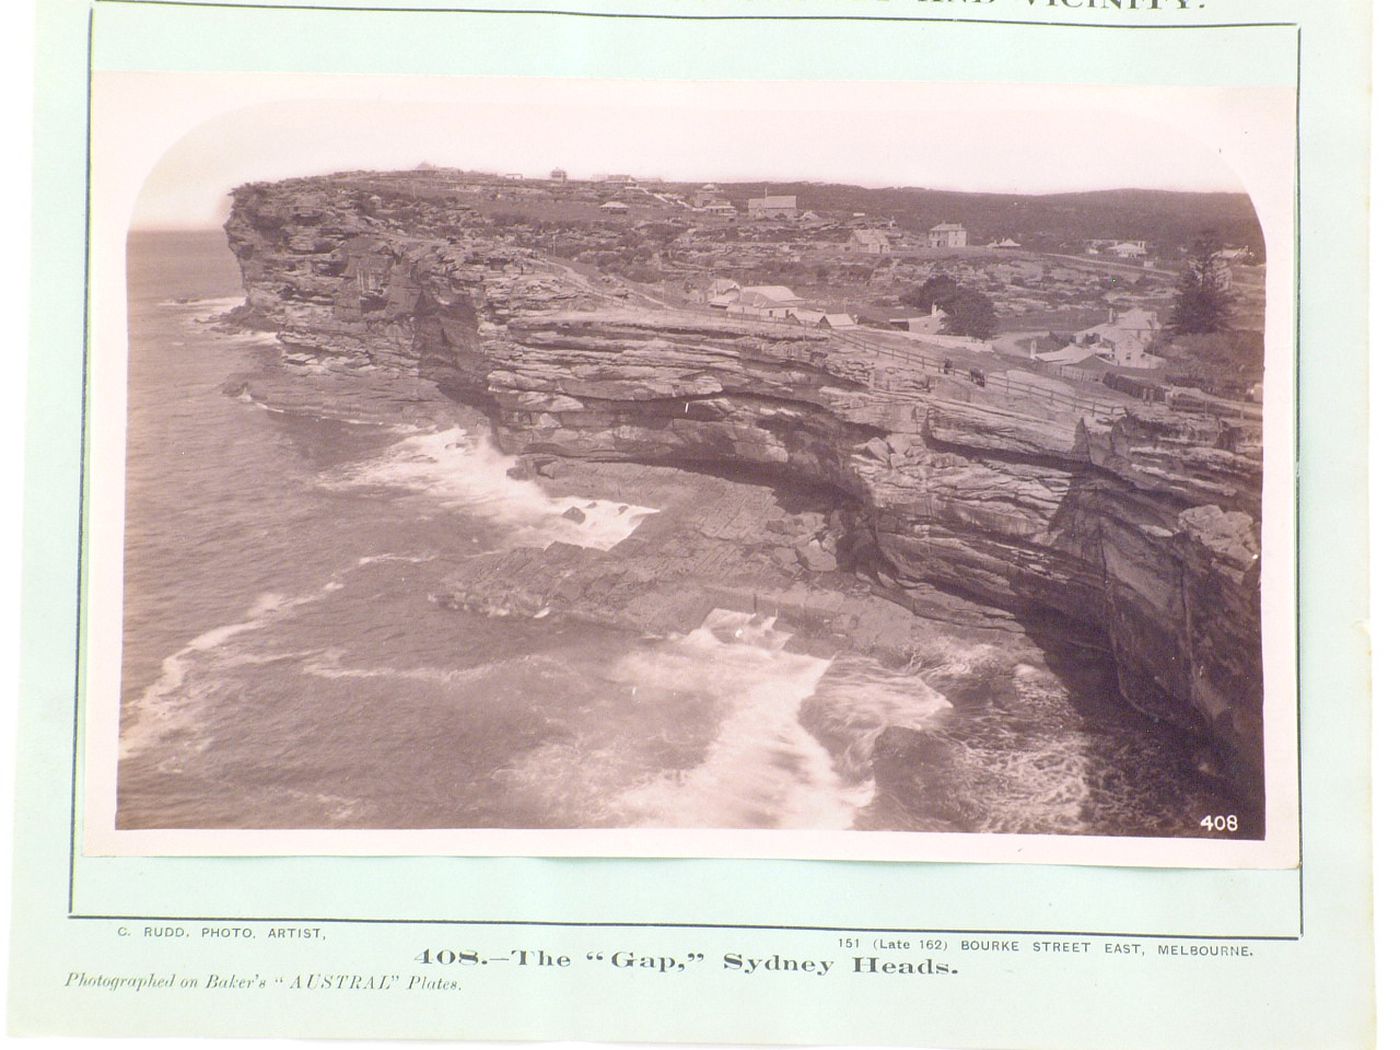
(1132, 525)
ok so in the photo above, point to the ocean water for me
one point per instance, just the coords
(284, 667)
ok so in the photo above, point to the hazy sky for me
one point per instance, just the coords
(187, 139)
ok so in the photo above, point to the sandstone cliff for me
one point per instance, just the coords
(1133, 527)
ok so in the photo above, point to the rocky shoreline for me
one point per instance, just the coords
(872, 505)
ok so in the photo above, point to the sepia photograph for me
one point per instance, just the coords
(827, 458)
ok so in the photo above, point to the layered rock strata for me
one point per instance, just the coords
(1131, 526)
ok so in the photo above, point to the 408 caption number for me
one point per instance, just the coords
(1221, 822)
(447, 957)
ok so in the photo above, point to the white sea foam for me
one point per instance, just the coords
(222, 303)
(468, 473)
(763, 768)
(330, 664)
(161, 703)
(858, 699)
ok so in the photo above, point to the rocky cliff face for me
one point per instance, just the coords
(1138, 531)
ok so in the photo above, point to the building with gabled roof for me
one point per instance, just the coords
(766, 207)
(869, 242)
(948, 235)
(772, 301)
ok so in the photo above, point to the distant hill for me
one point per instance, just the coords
(1166, 219)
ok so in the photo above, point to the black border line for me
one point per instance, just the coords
(653, 16)
(793, 928)
(1297, 478)
(78, 661)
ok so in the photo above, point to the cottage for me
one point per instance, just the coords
(869, 242)
(723, 209)
(1123, 346)
(947, 235)
(613, 207)
(1129, 249)
(559, 175)
(836, 321)
(771, 301)
(766, 207)
(1005, 242)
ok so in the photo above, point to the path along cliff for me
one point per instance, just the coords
(1134, 529)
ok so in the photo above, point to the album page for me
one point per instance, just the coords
(729, 522)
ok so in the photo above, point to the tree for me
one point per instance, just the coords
(1203, 299)
(968, 312)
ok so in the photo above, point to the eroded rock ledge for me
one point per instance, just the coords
(1136, 531)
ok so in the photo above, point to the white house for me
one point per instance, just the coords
(947, 235)
(771, 301)
(1005, 242)
(1124, 346)
(1138, 322)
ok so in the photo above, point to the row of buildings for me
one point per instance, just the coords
(777, 302)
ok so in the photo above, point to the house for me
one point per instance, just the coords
(868, 242)
(1129, 249)
(1140, 323)
(1125, 347)
(721, 208)
(1005, 242)
(771, 301)
(947, 235)
(810, 218)
(836, 321)
(513, 176)
(804, 315)
(559, 175)
(707, 194)
(773, 207)
(613, 207)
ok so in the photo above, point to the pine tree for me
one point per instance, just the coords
(1203, 299)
